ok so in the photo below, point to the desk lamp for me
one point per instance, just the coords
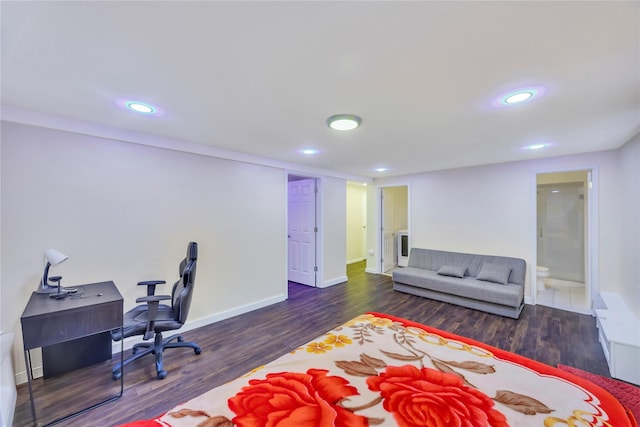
(52, 257)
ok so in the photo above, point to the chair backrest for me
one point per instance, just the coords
(182, 291)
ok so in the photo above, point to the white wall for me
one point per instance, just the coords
(476, 210)
(629, 158)
(491, 209)
(125, 212)
(373, 227)
(333, 229)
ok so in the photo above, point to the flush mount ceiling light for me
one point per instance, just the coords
(344, 121)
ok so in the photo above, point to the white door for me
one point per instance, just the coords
(302, 231)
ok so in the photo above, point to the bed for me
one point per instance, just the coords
(381, 370)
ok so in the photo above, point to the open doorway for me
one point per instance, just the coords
(394, 219)
(356, 228)
(563, 225)
(302, 230)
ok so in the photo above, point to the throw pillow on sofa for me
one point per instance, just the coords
(452, 270)
(494, 273)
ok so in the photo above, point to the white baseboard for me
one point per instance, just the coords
(353, 261)
(8, 392)
(21, 377)
(130, 341)
(335, 281)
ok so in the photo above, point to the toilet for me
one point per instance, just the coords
(542, 273)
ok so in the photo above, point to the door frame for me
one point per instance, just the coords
(591, 239)
(364, 219)
(379, 268)
(318, 220)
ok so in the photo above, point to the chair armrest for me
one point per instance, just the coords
(153, 298)
(151, 285)
(152, 282)
(153, 301)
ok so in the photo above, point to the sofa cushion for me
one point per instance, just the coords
(494, 273)
(452, 270)
(518, 266)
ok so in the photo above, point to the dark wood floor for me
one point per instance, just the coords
(234, 346)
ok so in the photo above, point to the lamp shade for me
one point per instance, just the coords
(54, 257)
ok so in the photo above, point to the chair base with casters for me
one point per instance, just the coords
(156, 348)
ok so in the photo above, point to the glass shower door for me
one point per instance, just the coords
(561, 230)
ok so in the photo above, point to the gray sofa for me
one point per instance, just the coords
(494, 284)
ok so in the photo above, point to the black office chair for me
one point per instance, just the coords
(153, 318)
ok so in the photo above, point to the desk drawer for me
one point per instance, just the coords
(56, 327)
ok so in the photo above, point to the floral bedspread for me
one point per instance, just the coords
(380, 370)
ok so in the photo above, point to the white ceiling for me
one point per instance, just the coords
(262, 77)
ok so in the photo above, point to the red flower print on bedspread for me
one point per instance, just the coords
(292, 399)
(429, 398)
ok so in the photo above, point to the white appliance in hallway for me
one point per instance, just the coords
(403, 248)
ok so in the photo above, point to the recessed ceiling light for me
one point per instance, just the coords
(518, 97)
(535, 147)
(308, 151)
(344, 121)
(140, 107)
(381, 169)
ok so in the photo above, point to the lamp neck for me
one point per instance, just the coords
(45, 276)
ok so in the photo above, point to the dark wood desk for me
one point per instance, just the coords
(95, 308)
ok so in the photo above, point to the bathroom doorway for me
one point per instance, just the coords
(562, 240)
